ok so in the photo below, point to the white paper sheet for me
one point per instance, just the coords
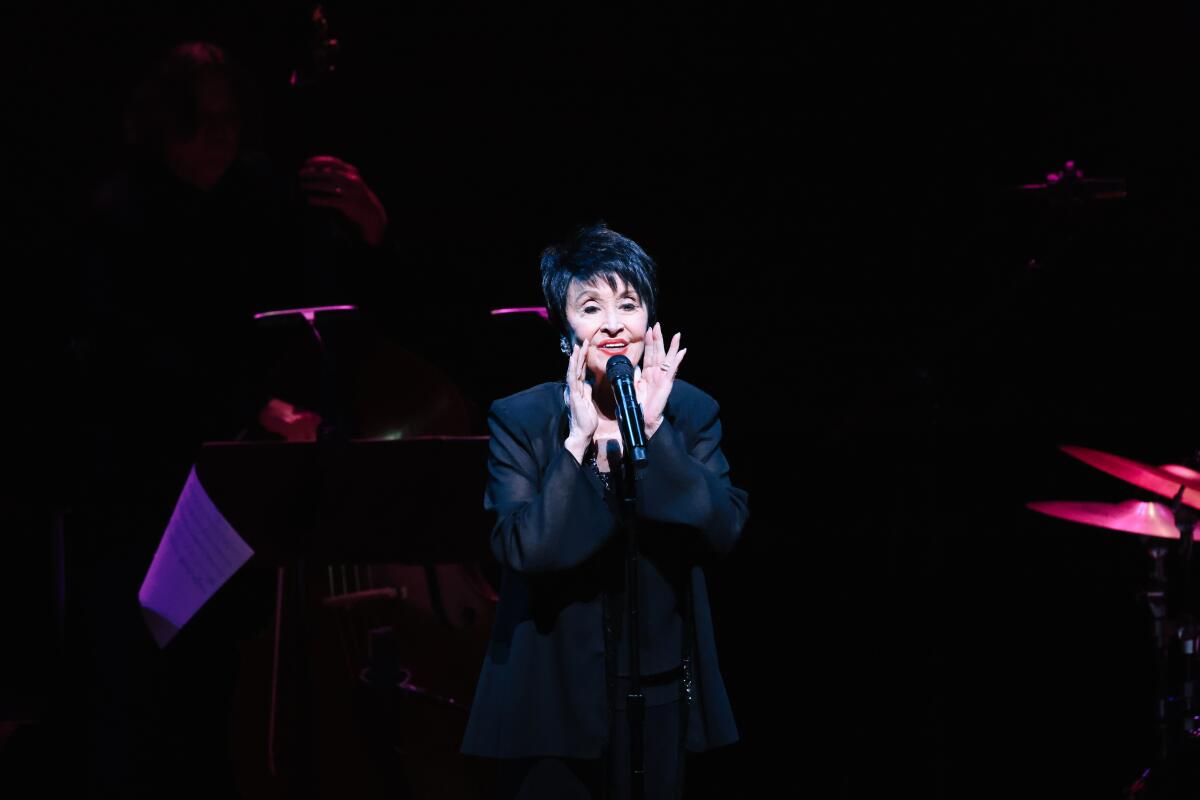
(199, 551)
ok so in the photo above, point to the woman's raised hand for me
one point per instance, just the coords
(657, 375)
(584, 417)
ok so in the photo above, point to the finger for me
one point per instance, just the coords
(323, 169)
(674, 348)
(330, 162)
(658, 341)
(323, 159)
(326, 183)
(324, 179)
(677, 361)
(572, 368)
(649, 357)
(578, 351)
(323, 191)
(333, 176)
(326, 174)
(581, 374)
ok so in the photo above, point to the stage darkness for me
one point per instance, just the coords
(899, 338)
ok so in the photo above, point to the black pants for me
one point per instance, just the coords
(602, 778)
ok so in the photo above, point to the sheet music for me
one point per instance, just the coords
(198, 552)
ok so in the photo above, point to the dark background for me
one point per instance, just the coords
(899, 339)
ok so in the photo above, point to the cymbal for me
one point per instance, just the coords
(1182, 472)
(1086, 188)
(1164, 480)
(1132, 516)
(1070, 182)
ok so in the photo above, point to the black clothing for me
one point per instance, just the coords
(546, 683)
(570, 778)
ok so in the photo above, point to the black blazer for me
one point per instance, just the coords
(544, 686)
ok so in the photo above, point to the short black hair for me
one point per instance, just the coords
(596, 252)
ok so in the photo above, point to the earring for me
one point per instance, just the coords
(564, 345)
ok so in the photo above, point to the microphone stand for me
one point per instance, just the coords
(629, 418)
(292, 668)
(635, 701)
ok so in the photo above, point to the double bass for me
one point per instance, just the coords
(395, 649)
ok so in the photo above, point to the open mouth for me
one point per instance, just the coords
(613, 346)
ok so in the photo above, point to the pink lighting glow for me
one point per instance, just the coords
(1182, 472)
(539, 310)
(309, 314)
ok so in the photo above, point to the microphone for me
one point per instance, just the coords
(629, 413)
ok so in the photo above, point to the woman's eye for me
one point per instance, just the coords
(629, 307)
(591, 309)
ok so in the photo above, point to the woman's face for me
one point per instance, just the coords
(611, 322)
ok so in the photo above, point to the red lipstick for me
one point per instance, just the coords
(613, 351)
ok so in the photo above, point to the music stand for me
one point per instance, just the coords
(363, 501)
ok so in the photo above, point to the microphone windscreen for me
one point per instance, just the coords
(619, 367)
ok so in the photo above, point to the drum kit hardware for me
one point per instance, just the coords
(1070, 182)
(1169, 528)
